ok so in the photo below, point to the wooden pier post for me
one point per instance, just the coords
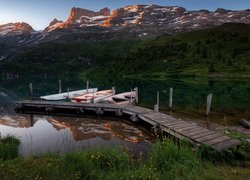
(156, 107)
(136, 95)
(131, 97)
(68, 95)
(87, 86)
(59, 86)
(209, 101)
(113, 90)
(170, 102)
(30, 90)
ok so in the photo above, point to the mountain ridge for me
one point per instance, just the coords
(145, 16)
(129, 22)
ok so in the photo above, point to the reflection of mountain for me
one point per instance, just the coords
(7, 101)
(17, 121)
(83, 129)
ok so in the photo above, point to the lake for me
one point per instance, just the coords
(40, 134)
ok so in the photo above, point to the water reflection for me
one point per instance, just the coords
(43, 134)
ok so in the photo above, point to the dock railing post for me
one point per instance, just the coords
(136, 95)
(131, 101)
(68, 95)
(209, 101)
(30, 91)
(170, 102)
(113, 90)
(156, 107)
(87, 86)
(59, 86)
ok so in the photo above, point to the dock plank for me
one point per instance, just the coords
(192, 133)
(202, 134)
(217, 140)
(226, 144)
(208, 138)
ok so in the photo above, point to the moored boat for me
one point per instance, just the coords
(93, 97)
(121, 99)
(67, 95)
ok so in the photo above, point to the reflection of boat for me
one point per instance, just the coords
(93, 97)
(245, 123)
(122, 98)
(70, 95)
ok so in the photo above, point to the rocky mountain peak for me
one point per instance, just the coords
(54, 21)
(15, 28)
(105, 11)
(77, 14)
(222, 11)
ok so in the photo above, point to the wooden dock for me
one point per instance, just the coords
(176, 127)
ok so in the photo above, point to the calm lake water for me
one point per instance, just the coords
(230, 103)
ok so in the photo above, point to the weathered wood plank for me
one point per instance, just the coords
(208, 138)
(172, 123)
(179, 129)
(195, 128)
(202, 134)
(226, 144)
(216, 140)
(194, 132)
(182, 124)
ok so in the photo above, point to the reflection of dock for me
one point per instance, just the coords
(171, 125)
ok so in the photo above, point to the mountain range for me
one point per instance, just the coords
(116, 34)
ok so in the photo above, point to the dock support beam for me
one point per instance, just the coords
(68, 95)
(136, 95)
(59, 86)
(87, 86)
(209, 101)
(113, 90)
(134, 118)
(118, 112)
(30, 90)
(170, 102)
(156, 107)
(99, 111)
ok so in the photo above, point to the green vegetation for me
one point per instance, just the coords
(167, 160)
(8, 147)
(220, 51)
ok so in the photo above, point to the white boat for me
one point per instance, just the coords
(121, 99)
(93, 97)
(66, 95)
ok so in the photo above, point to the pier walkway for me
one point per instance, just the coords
(176, 127)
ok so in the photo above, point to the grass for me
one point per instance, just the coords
(167, 160)
(9, 147)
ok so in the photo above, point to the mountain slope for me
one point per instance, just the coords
(220, 51)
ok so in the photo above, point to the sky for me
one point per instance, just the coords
(38, 13)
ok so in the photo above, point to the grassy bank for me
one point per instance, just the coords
(166, 160)
(8, 147)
